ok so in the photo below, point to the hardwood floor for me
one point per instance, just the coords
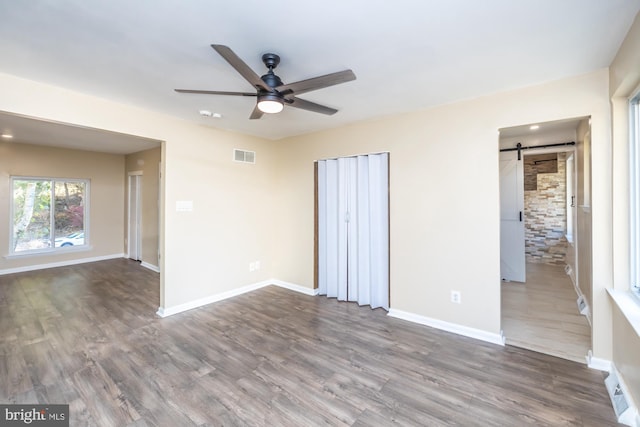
(88, 336)
(542, 314)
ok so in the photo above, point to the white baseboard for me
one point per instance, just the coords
(59, 264)
(150, 266)
(294, 287)
(572, 275)
(169, 311)
(449, 327)
(597, 363)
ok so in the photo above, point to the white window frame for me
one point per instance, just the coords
(634, 199)
(53, 248)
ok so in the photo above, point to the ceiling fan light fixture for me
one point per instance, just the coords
(270, 104)
(270, 91)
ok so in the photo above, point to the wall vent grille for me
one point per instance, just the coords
(244, 156)
(616, 390)
(582, 305)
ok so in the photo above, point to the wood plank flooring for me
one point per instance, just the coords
(542, 314)
(87, 335)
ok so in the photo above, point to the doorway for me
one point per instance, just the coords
(134, 238)
(539, 308)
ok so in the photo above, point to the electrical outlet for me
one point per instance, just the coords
(456, 297)
(252, 266)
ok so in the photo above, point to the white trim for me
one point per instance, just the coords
(587, 312)
(135, 173)
(294, 287)
(634, 190)
(449, 327)
(137, 214)
(572, 275)
(59, 264)
(597, 363)
(169, 311)
(150, 266)
(50, 251)
(354, 155)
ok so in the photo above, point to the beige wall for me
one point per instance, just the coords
(206, 251)
(624, 82)
(626, 353)
(444, 195)
(147, 162)
(106, 196)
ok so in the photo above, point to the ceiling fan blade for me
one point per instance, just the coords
(215, 92)
(310, 106)
(256, 113)
(314, 83)
(241, 67)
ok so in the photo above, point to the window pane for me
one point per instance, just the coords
(634, 138)
(31, 214)
(69, 213)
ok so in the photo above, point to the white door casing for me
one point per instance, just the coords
(135, 216)
(512, 245)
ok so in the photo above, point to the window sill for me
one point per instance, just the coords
(629, 306)
(72, 249)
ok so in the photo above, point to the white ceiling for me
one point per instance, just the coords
(406, 54)
(42, 132)
(565, 126)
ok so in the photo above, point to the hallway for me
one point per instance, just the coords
(542, 314)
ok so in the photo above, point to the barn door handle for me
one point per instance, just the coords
(520, 216)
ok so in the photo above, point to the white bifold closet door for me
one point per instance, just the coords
(353, 229)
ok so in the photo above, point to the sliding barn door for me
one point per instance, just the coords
(512, 247)
(353, 229)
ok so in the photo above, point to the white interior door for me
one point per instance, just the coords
(512, 255)
(135, 217)
(353, 229)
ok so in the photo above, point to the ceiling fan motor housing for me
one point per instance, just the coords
(271, 79)
(271, 60)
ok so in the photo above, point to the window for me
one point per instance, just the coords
(48, 214)
(634, 203)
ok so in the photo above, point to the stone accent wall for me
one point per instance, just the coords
(534, 165)
(545, 208)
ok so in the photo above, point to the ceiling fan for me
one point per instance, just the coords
(272, 95)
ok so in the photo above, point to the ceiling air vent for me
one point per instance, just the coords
(244, 156)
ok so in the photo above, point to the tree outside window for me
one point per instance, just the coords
(48, 214)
